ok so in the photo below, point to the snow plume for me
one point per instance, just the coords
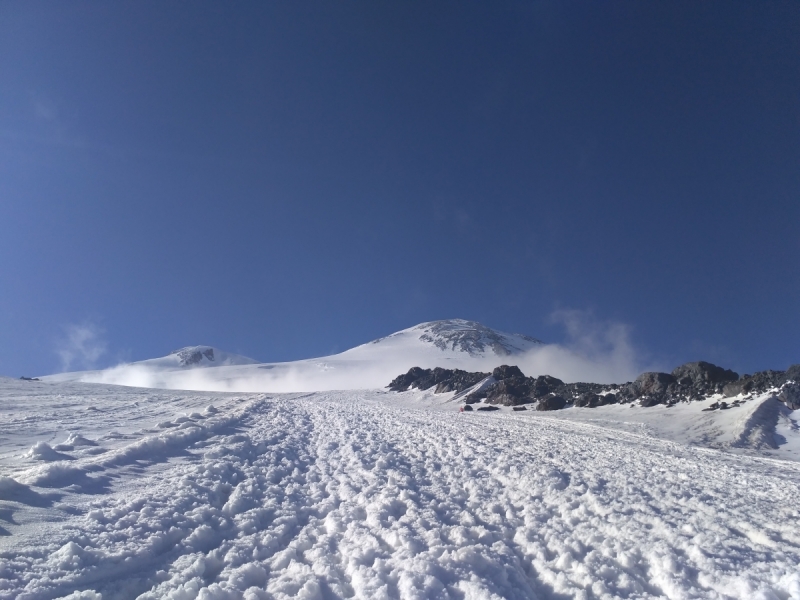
(81, 347)
(595, 350)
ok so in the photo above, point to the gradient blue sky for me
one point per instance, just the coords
(291, 179)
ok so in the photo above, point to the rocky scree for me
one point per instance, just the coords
(508, 386)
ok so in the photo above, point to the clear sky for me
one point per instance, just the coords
(290, 179)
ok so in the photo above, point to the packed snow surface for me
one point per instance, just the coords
(119, 492)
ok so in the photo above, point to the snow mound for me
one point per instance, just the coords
(757, 429)
(43, 451)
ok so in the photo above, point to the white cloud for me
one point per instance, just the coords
(81, 347)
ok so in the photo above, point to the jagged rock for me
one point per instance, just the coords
(592, 400)
(508, 386)
(790, 395)
(702, 374)
(648, 401)
(401, 383)
(743, 386)
(588, 400)
(544, 385)
(792, 374)
(649, 388)
(551, 403)
(757, 383)
(506, 372)
(509, 392)
(445, 380)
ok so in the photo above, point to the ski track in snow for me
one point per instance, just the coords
(353, 494)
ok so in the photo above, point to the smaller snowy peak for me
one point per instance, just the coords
(473, 338)
(205, 356)
(192, 355)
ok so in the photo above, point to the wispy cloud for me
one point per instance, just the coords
(594, 349)
(81, 347)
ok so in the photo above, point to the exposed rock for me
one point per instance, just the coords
(192, 356)
(509, 392)
(755, 384)
(508, 386)
(790, 395)
(544, 385)
(588, 400)
(488, 408)
(702, 374)
(506, 372)
(445, 380)
(653, 383)
(517, 408)
(648, 401)
(592, 400)
(467, 408)
(474, 398)
(793, 374)
(551, 403)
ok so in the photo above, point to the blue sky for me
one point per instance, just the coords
(287, 180)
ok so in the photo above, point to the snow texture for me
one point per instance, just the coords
(380, 495)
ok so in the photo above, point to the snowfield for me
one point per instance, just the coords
(120, 492)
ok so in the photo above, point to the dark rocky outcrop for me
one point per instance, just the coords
(790, 395)
(592, 400)
(508, 386)
(692, 381)
(551, 403)
(703, 375)
(507, 372)
(762, 381)
(508, 392)
(445, 380)
(512, 388)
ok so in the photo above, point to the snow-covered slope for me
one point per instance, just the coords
(193, 357)
(453, 343)
(152, 494)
